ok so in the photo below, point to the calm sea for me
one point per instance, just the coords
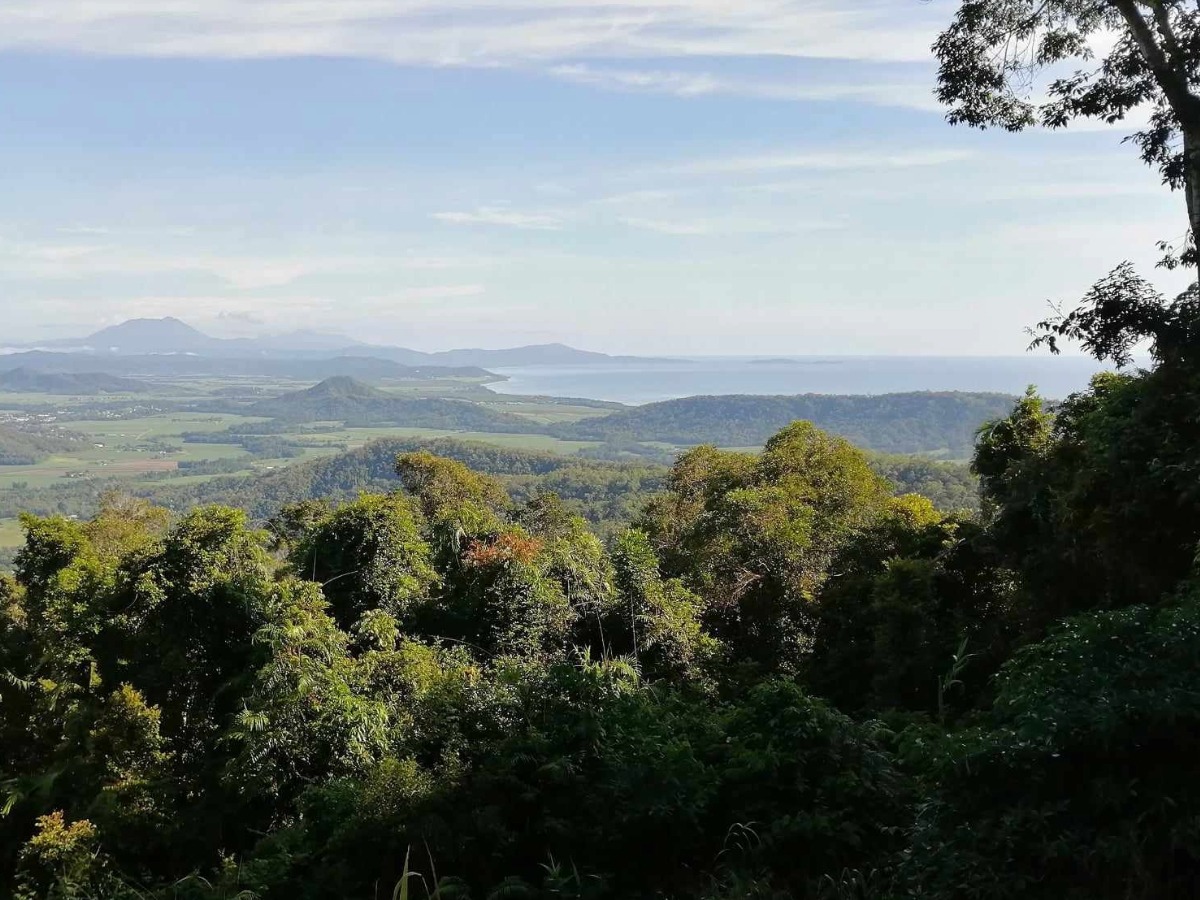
(647, 382)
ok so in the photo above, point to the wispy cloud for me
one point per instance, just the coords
(637, 198)
(271, 311)
(48, 260)
(430, 293)
(913, 93)
(64, 260)
(684, 226)
(470, 32)
(822, 160)
(502, 217)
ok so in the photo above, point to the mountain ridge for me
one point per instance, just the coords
(172, 336)
(26, 380)
(178, 364)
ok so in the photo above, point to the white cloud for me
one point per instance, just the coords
(91, 230)
(476, 32)
(685, 227)
(50, 260)
(637, 198)
(913, 93)
(426, 294)
(55, 260)
(727, 225)
(506, 218)
(824, 160)
(272, 312)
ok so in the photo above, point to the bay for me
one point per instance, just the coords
(649, 381)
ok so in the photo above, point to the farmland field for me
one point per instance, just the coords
(128, 448)
(159, 436)
(10, 533)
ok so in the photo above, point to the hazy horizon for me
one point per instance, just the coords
(17, 346)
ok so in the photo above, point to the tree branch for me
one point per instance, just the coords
(1163, 20)
(1183, 102)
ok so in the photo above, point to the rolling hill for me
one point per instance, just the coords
(344, 399)
(25, 380)
(926, 422)
(604, 492)
(27, 447)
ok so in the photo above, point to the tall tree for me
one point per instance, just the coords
(993, 51)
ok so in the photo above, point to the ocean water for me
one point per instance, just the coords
(647, 382)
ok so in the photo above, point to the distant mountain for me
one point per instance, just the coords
(533, 355)
(141, 337)
(138, 336)
(303, 369)
(515, 357)
(346, 400)
(307, 340)
(925, 422)
(33, 381)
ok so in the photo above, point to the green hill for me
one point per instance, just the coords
(941, 423)
(28, 446)
(607, 494)
(345, 399)
(31, 381)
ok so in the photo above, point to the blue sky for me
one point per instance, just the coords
(665, 176)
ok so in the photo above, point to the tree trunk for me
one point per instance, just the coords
(1191, 174)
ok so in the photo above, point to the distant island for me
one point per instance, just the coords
(792, 361)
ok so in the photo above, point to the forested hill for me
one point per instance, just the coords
(32, 381)
(21, 447)
(607, 494)
(348, 400)
(888, 423)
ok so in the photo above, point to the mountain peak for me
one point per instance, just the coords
(167, 335)
(172, 336)
(344, 387)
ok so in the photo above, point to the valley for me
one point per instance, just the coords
(182, 433)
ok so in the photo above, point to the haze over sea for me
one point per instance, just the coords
(640, 382)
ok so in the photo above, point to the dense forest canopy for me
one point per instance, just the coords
(607, 494)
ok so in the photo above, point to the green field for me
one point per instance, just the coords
(129, 448)
(165, 425)
(10, 534)
(544, 412)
